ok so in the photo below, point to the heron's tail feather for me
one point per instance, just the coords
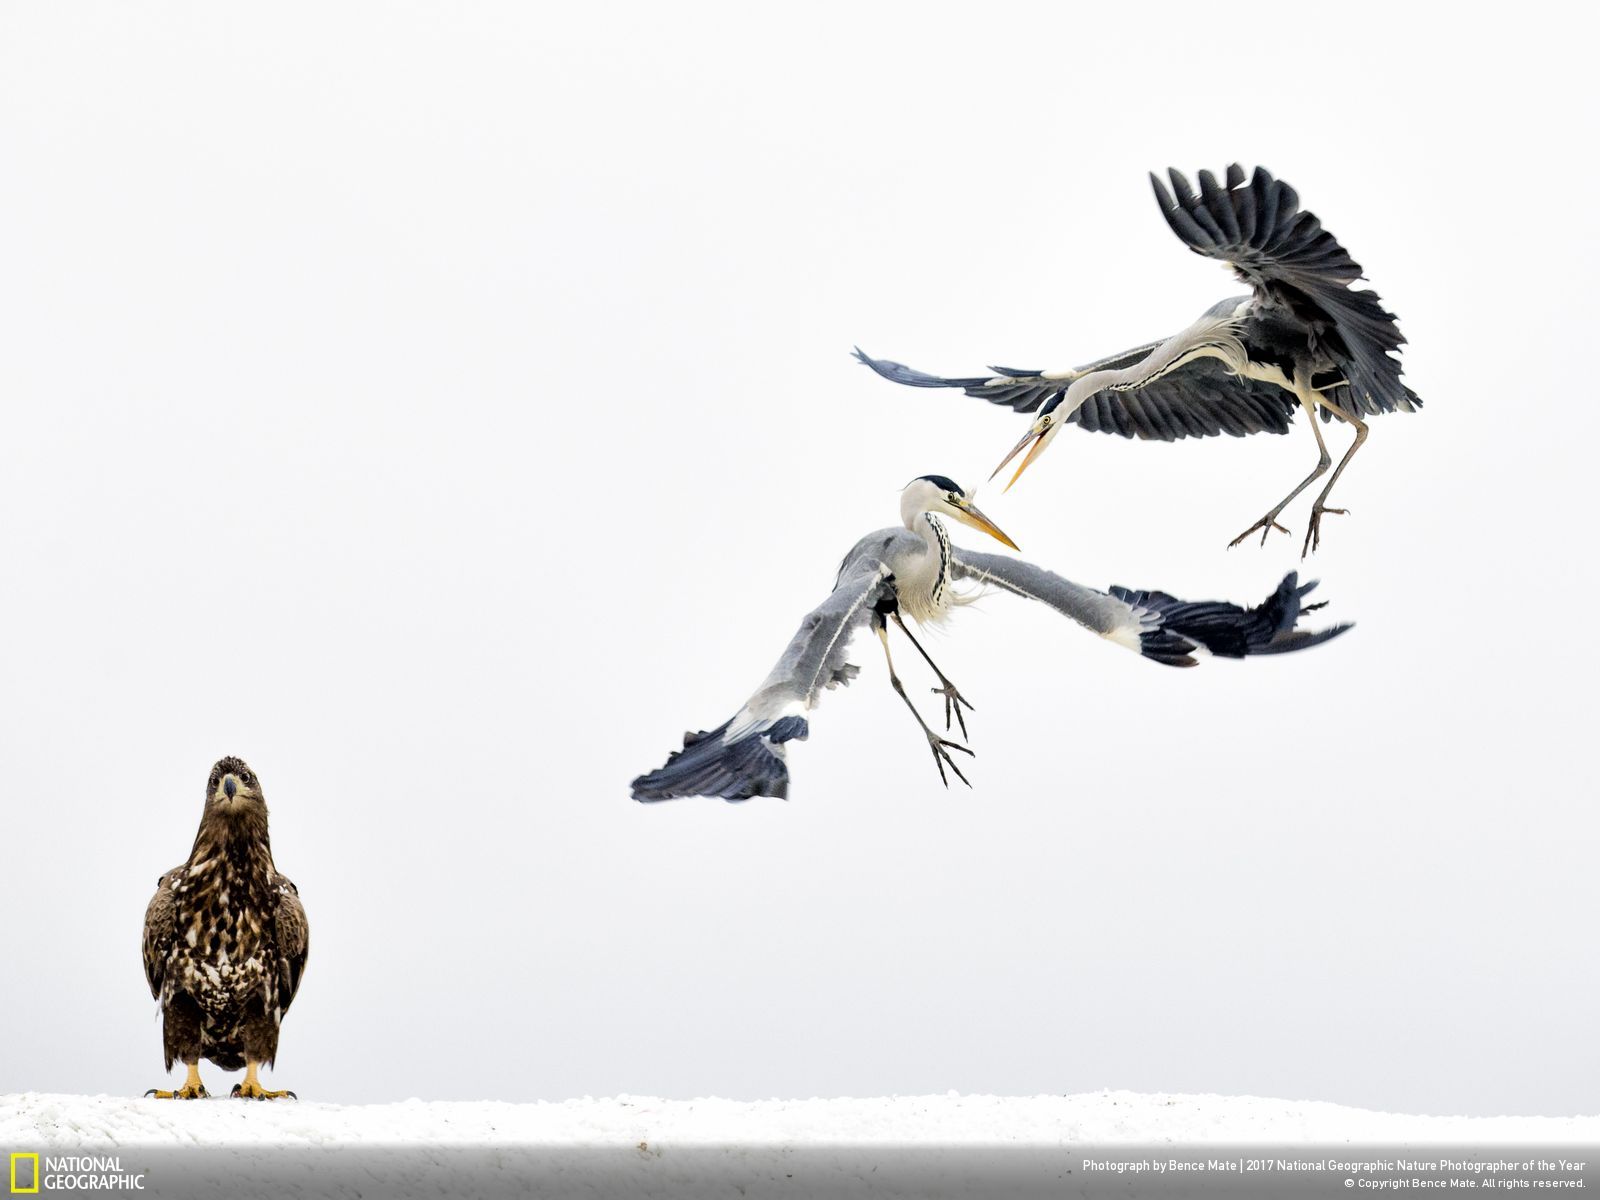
(751, 764)
(1184, 628)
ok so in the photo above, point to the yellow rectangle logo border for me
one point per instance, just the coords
(27, 1191)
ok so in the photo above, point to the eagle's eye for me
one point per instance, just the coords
(247, 778)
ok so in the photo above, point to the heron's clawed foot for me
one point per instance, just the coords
(941, 748)
(252, 1090)
(953, 700)
(187, 1092)
(1314, 529)
(1267, 524)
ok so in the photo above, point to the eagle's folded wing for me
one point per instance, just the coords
(160, 917)
(294, 941)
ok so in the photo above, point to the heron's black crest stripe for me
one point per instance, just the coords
(944, 482)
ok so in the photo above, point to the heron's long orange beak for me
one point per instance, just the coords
(971, 516)
(1038, 444)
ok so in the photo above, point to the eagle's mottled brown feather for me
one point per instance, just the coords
(294, 940)
(160, 922)
(225, 935)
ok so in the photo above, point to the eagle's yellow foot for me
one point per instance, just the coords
(254, 1091)
(192, 1088)
(251, 1088)
(184, 1093)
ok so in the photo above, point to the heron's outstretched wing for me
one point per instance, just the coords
(744, 756)
(1158, 626)
(294, 940)
(1294, 264)
(160, 917)
(1199, 399)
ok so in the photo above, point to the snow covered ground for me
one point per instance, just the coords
(633, 1145)
(1095, 1118)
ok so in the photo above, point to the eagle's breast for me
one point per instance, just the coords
(223, 951)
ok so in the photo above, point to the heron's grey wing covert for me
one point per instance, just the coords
(1159, 626)
(1199, 399)
(744, 756)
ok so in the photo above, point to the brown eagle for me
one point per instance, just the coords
(225, 941)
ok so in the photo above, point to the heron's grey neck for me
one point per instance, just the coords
(937, 540)
(1212, 336)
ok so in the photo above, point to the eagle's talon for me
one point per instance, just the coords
(251, 1089)
(196, 1092)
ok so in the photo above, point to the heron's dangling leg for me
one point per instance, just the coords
(941, 747)
(251, 1088)
(953, 699)
(1309, 401)
(192, 1088)
(1320, 505)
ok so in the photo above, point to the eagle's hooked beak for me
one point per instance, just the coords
(968, 514)
(230, 785)
(1037, 438)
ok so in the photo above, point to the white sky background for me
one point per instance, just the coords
(445, 409)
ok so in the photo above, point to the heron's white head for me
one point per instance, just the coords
(941, 494)
(1045, 427)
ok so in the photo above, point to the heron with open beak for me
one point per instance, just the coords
(912, 570)
(1306, 339)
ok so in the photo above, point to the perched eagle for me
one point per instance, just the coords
(225, 941)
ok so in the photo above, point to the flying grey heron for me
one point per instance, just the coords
(1304, 338)
(912, 571)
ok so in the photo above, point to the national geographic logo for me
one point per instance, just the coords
(24, 1174)
(71, 1173)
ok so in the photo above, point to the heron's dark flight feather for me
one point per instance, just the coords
(737, 770)
(1165, 629)
(751, 761)
(1226, 630)
(1299, 271)
(1199, 399)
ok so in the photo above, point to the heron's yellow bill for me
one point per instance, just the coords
(1038, 444)
(971, 516)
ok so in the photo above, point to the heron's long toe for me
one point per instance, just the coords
(1314, 528)
(941, 748)
(252, 1090)
(1266, 525)
(953, 700)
